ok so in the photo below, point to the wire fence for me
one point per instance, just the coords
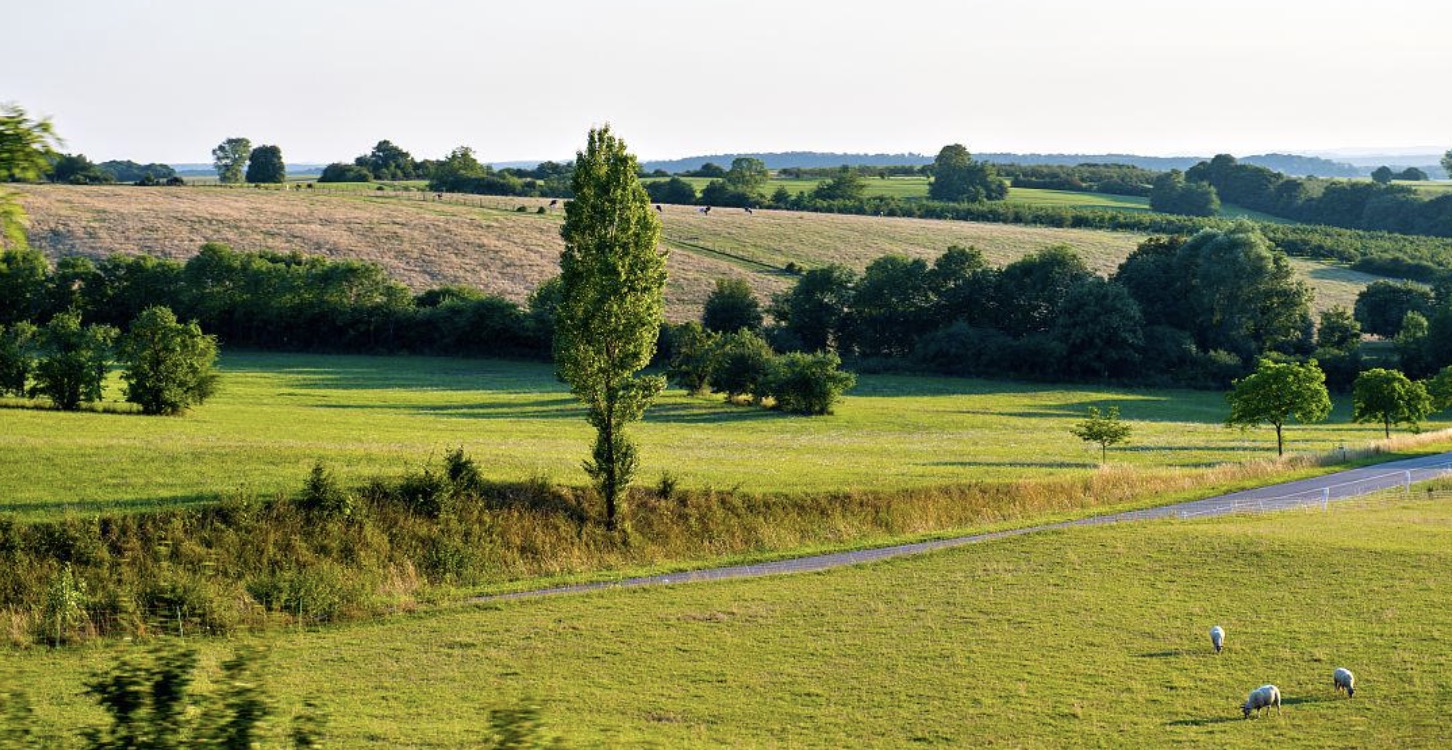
(1379, 488)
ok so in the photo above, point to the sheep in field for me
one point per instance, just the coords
(1343, 679)
(1260, 698)
(1217, 638)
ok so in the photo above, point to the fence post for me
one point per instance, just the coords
(1409, 483)
(1325, 498)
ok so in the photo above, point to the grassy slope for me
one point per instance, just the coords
(1092, 637)
(276, 414)
(485, 243)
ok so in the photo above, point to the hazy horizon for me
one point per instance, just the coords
(166, 81)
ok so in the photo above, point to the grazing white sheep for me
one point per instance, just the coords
(1262, 697)
(1343, 679)
(1217, 638)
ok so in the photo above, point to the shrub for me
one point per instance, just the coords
(324, 496)
(806, 383)
(463, 473)
(72, 366)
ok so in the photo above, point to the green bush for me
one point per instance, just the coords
(806, 383)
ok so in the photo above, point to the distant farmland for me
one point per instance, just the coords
(485, 242)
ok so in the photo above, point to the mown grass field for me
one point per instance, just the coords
(485, 243)
(1089, 637)
(367, 416)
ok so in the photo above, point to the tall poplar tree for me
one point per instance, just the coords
(612, 278)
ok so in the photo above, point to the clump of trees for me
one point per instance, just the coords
(958, 178)
(1171, 194)
(741, 365)
(1194, 310)
(167, 365)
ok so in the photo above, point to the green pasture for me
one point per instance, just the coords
(276, 414)
(1088, 637)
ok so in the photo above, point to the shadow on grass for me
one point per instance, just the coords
(568, 408)
(1162, 654)
(51, 510)
(1204, 722)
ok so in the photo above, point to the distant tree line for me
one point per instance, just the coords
(1114, 179)
(76, 169)
(1374, 206)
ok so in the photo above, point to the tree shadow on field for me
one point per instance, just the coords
(1162, 654)
(1131, 410)
(709, 413)
(541, 408)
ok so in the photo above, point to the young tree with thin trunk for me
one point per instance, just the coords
(1103, 428)
(1388, 397)
(1276, 393)
(612, 279)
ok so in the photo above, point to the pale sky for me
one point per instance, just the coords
(326, 79)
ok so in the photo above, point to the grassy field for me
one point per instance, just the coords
(1090, 637)
(276, 414)
(484, 242)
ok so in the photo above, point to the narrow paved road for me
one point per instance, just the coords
(1326, 489)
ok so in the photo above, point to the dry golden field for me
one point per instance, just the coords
(486, 243)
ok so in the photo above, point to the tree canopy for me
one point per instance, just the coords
(265, 165)
(1277, 392)
(956, 177)
(168, 364)
(1102, 428)
(1389, 397)
(230, 157)
(612, 276)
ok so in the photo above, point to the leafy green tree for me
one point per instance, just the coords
(739, 364)
(1382, 306)
(339, 172)
(693, 352)
(17, 357)
(675, 191)
(230, 157)
(956, 178)
(72, 366)
(1338, 330)
(1447, 162)
(612, 276)
(1412, 174)
(1411, 345)
(964, 285)
(27, 148)
(1243, 293)
(809, 384)
(1276, 393)
(23, 279)
(1388, 397)
(1440, 389)
(747, 175)
(265, 165)
(1105, 429)
(892, 306)
(76, 169)
(814, 311)
(168, 364)
(731, 306)
(1101, 329)
(845, 185)
(388, 162)
(1172, 194)
(1382, 175)
(1034, 287)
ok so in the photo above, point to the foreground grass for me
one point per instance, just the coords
(365, 416)
(1091, 637)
